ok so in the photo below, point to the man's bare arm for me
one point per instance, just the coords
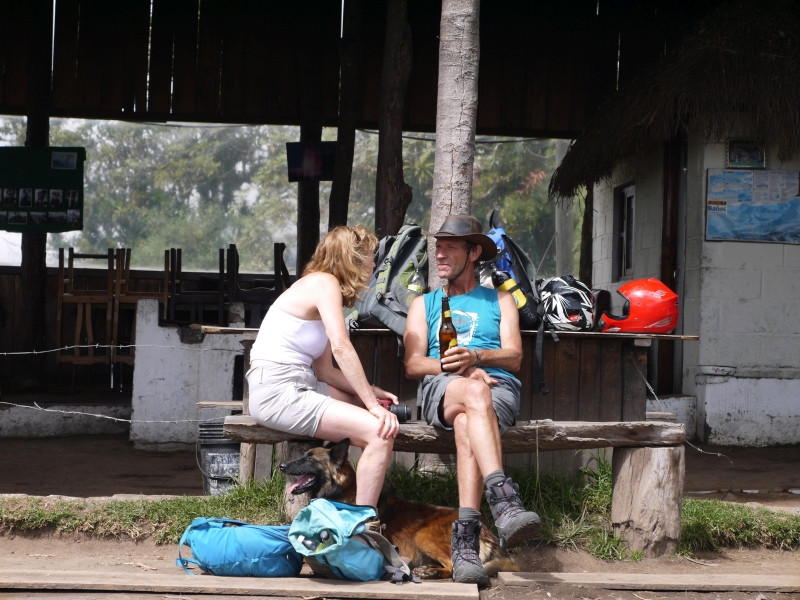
(418, 363)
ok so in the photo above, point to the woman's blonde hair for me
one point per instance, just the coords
(343, 252)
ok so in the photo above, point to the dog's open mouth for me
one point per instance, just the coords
(302, 485)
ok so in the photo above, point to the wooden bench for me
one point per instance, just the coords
(647, 464)
(591, 376)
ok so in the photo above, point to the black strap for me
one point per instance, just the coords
(539, 375)
(396, 569)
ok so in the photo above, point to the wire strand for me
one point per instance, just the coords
(118, 347)
(687, 442)
(35, 406)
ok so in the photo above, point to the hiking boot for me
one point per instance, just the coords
(465, 553)
(515, 525)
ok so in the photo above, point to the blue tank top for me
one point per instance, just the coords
(476, 316)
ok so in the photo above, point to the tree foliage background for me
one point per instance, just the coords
(151, 187)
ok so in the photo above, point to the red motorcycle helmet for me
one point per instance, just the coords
(650, 307)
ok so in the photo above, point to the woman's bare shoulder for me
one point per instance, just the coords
(318, 278)
(309, 290)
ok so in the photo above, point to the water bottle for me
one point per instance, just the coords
(416, 284)
(325, 538)
(307, 542)
(502, 280)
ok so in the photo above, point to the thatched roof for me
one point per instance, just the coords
(743, 58)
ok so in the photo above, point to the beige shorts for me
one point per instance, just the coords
(287, 397)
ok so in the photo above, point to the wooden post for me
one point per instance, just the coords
(247, 451)
(646, 502)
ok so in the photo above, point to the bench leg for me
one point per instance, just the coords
(646, 500)
(247, 461)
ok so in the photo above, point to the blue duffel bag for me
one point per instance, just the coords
(223, 546)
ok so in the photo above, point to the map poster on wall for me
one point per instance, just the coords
(753, 206)
(41, 189)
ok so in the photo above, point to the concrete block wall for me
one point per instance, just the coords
(647, 221)
(171, 376)
(746, 292)
(741, 298)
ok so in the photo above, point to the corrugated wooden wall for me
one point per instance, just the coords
(544, 65)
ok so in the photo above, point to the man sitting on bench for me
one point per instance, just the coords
(469, 388)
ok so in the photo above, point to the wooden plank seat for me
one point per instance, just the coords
(528, 436)
(221, 404)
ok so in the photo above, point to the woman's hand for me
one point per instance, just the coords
(389, 426)
(382, 394)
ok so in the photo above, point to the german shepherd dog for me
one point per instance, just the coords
(421, 532)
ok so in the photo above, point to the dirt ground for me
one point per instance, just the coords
(106, 466)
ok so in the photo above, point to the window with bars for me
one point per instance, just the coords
(624, 209)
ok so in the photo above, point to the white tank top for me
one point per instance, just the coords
(287, 339)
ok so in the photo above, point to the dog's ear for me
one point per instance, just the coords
(339, 451)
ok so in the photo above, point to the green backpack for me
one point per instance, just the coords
(400, 276)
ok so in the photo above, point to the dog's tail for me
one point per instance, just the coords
(502, 563)
(493, 557)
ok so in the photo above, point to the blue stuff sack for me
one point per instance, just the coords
(336, 544)
(223, 546)
(512, 259)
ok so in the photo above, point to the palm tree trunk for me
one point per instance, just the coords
(456, 113)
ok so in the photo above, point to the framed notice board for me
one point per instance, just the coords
(41, 189)
(753, 206)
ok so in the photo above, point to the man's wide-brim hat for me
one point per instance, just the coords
(467, 227)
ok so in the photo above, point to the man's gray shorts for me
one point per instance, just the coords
(505, 398)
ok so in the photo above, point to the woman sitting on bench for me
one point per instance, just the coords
(294, 386)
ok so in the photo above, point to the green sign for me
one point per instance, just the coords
(41, 189)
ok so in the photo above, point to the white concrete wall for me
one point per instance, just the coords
(171, 376)
(741, 298)
(744, 411)
(62, 420)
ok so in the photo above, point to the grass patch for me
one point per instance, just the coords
(713, 524)
(575, 513)
(163, 520)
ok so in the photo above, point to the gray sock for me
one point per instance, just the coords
(494, 478)
(467, 514)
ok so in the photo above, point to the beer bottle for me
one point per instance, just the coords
(447, 331)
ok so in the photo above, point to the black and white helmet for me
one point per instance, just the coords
(567, 304)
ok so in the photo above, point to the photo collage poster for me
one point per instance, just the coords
(41, 189)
